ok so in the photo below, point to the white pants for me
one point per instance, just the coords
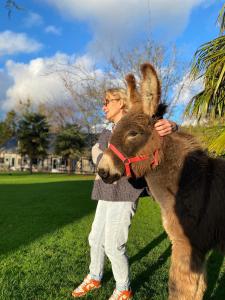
(108, 236)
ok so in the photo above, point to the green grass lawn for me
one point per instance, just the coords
(45, 221)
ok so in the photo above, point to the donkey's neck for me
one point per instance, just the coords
(163, 181)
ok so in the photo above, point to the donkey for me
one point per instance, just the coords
(188, 184)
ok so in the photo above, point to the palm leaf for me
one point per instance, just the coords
(218, 144)
(221, 19)
(219, 80)
(209, 54)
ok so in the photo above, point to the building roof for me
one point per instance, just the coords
(9, 146)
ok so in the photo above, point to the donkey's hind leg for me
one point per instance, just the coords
(187, 275)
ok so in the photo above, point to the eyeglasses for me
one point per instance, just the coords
(107, 101)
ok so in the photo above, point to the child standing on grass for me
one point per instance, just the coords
(117, 204)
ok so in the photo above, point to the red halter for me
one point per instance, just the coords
(128, 160)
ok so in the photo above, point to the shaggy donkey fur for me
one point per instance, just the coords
(188, 185)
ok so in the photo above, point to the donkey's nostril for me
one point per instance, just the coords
(103, 173)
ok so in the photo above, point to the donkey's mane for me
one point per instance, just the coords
(162, 108)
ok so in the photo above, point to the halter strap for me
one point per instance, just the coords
(128, 160)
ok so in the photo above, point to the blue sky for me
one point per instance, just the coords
(54, 30)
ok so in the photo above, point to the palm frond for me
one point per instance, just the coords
(10, 5)
(221, 19)
(208, 54)
(219, 81)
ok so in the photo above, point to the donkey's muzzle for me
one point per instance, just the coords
(106, 177)
(103, 173)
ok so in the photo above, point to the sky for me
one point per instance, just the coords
(50, 32)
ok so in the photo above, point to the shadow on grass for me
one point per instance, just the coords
(145, 275)
(214, 265)
(214, 268)
(30, 211)
(142, 253)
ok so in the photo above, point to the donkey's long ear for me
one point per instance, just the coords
(132, 94)
(150, 89)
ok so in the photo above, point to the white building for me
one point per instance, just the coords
(11, 160)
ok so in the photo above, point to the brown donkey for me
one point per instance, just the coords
(188, 185)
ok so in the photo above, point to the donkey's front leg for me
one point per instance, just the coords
(187, 275)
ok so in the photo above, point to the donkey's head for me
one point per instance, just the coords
(134, 141)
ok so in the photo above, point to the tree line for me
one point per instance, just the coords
(32, 131)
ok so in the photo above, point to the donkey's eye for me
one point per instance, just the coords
(132, 133)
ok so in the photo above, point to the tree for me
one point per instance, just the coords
(86, 85)
(8, 126)
(85, 88)
(10, 5)
(33, 134)
(164, 60)
(69, 144)
(58, 115)
(209, 63)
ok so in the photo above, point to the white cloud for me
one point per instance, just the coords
(13, 43)
(187, 88)
(5, 83)
(52, 29)
(33, 19)
(116, 22)
(33, 80)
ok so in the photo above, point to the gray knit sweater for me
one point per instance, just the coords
(123, 189)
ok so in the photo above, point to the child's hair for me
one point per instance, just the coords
(120, 94)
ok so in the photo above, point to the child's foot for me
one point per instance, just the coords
(121, 295)
(86, 286)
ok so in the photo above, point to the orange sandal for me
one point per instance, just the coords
(121, 295)
(86, 286)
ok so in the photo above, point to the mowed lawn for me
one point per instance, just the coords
(44, 225)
